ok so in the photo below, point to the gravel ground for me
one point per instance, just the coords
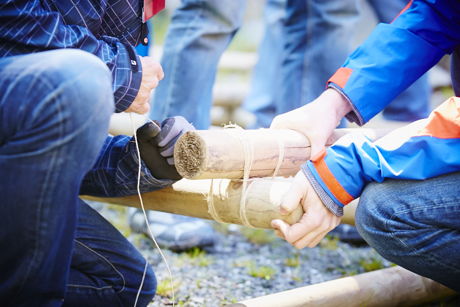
(245, 263)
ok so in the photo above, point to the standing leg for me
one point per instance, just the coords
(198, 35)
(54, 113)
(415, 224)
(317, 43)
(265, 83)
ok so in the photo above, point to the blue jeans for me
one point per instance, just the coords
(54, 113)
(317, 42)
(199, 33)
(415, 224)
(263, 97)
(413, 103)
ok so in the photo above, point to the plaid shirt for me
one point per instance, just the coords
(106, 28)
(109, 29)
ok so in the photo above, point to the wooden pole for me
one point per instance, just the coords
(205, 154)
(192, 198)
(388, 287)
(222, 153)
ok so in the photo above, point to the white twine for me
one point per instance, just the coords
(147, 223)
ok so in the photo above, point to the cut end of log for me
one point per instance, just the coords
(190, 151)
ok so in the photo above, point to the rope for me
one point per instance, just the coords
(147, 223)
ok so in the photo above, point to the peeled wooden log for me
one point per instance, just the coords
(222, 153)
(388, 287)
(205, 154)
(221, 201)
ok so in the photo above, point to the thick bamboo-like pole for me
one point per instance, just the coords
(192, 198)
(388, 287)
(205, 154)
(218, 199)
(222, 153)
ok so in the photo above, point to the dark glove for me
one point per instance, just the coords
(156, 145)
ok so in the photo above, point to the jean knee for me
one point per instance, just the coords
(147, 293)
(371, 213)
(79, 88)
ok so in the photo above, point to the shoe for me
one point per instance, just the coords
(347, 233)
(174, 232)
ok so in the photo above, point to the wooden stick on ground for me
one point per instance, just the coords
(190, 197)
(388, 287)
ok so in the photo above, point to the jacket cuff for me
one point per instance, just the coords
(353, 116)
(128, 86)
(336, 209)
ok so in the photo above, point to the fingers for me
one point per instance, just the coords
(295, 194)
(139, 108)
(171, 129)
(147, 132)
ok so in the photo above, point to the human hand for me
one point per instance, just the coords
(156, 145)
(152, 73)
(316, 120)
(315, 223)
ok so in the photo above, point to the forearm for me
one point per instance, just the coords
(424, 149)
(395, 55)
(115, 173)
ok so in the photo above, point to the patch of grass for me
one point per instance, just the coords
(329, 243)
(371, 264)
(345, 272)
(197, 256)
(226, 301)
(293, 262)
(447, 91)
(164, 288)
(264, 272)
(297, 278)
(258, 236)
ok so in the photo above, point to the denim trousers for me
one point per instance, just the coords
(199, 33)
(54, 113)
(415, 224)
(264, 92)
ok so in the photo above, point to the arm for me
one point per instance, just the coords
(397, 54)
(390, 60)
(422, 150)
(115, 171)
(28, 26)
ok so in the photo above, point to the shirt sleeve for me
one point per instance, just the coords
(28, 26)
(424, 149)
(115, 172)
(397, 54)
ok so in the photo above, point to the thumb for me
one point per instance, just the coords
(293, 198)
(147, 132)
(316, 148)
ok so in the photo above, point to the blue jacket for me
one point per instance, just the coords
(106, 28)
(393, 57)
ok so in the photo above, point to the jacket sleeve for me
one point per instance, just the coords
(421, 150)
(397, 54)
(28, 26)
(115, 172)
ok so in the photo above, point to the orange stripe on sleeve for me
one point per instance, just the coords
(444, 121)
(331, 182)
(341, 76)
(403, 10)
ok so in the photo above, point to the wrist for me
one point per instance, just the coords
(337, 102)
